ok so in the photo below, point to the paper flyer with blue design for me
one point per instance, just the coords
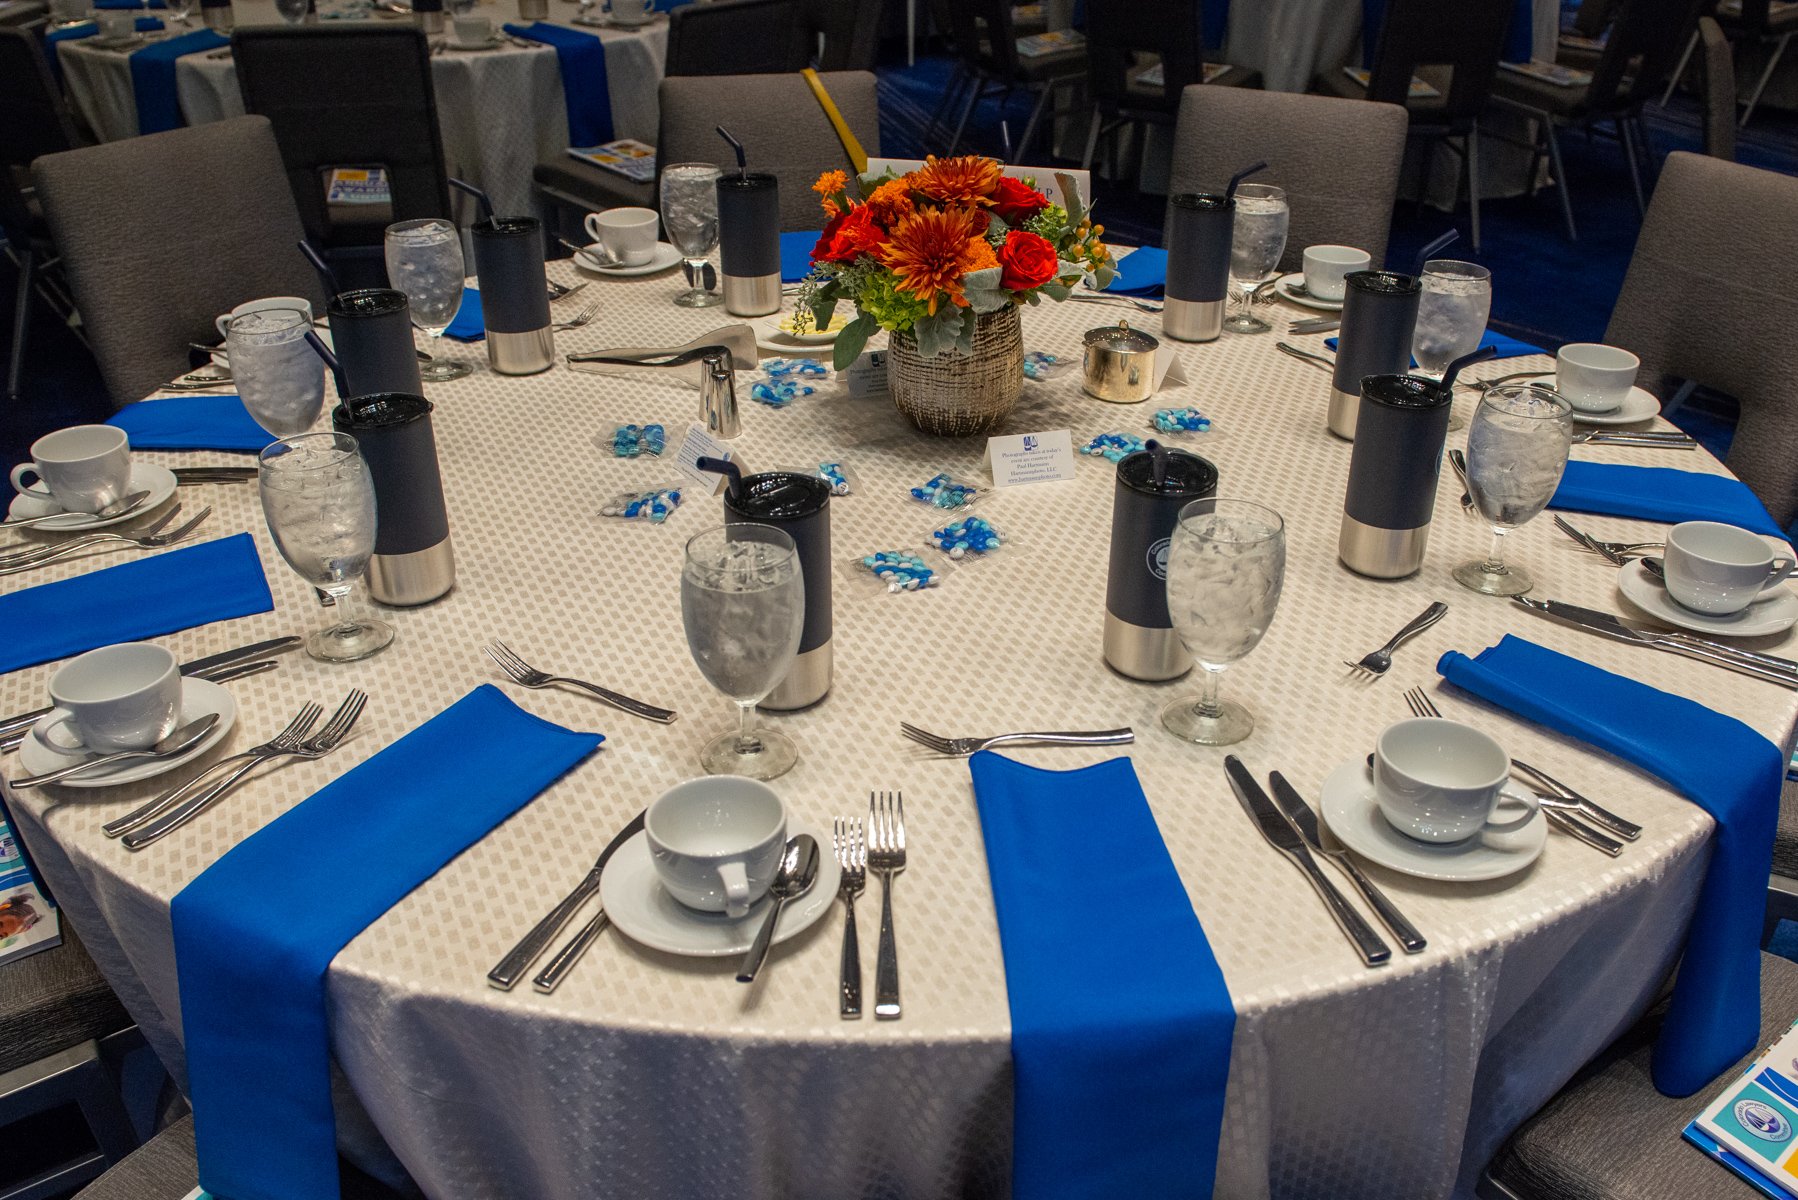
(1750, 1128)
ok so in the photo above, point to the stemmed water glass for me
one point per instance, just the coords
(424, 260)
(1516, 451)
(278, 375)
(180, 10)
(742, 599)
(1451, 317)
(1257, 239)
(690, 215)
(1226, 566)
(292, 11)
(320, 506)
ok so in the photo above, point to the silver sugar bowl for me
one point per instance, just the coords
(1119, 363)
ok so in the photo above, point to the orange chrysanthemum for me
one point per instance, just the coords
(931, 251)
(889, 202)
(970, 179)
(982, 255)
(831, 182)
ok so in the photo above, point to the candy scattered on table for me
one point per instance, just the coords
(944, 492)
(1113, 446)
(630, 441)
(788, 368)
(836, 476)
(780, 392)
(1040, 365)
(1180, 420)
(653, 505)
(970, 535)
(902, 572)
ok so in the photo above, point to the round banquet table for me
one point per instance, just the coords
(652, 1075)
(500, 111)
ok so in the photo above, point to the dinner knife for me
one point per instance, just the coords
(1305, 821)
(1766, 667)
(518, 960)
(1626, 829)
(1283, 837)
(185, 475)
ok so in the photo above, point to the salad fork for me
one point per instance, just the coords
(962, 747)
(579, 319)
(38, 549)
(1377, 663)
(850, 842)
(147, 541)
(1616, 552)
(886, 855)
(525, 675)
(289, 737)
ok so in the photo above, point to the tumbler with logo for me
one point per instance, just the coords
(1152, 487)
(799, 505)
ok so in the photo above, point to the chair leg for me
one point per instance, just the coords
(1679, 71)
(966, 110)
(1761, 85)
(1635, 167)
(21, 322)
(1554, 158)
(1473, 181)
(1036, 117)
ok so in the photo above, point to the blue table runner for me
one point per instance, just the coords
(586, 93)
(153, 77)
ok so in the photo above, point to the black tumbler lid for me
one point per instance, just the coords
(367, 302)
(506, 227)
(1201, 201)
(1405, 391)
(1187, 475)
(381, 410)
(1383, 283)
(779, 496)
(754, 181)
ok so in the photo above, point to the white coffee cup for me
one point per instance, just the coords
(82, 468)
(1440, 781)
(628, 234)
(632, 12)
(472, 30)
(116, 24)
(1594, 377)
(716, 842)
(124, 697)
(1719, 569)
(223, 321)
(1325, 267)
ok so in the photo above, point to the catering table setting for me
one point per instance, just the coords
(1448, 823)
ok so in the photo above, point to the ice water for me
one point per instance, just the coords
(744, 608)
(1224, 578)
(1515, 460)
(1258, 236)
(279, 376)
(320, 506)
(690, 209)
(1451, 319)
(425, 262)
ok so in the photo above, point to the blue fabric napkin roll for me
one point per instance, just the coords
(470, 325)
(1507, 347)
(1719, 764)
(1519, 38)
(174, 590)
(192, 423)
(796, 254)
(1142, 272)
(256, 931)
(1120, 1021)
(86, 29)
(586, 94)
(153, 77)
(1661, 494)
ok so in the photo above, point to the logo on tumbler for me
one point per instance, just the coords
(1029, 442)
(1763, 1121)
(1158, 559)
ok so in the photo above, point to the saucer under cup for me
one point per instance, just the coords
(153, 478)
(1349, 809)
(199, 698)
(1774, 612)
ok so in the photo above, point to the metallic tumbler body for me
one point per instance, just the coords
(1379, 313)
(1139, 635)
(508, 258)
(1401, 428)
(1198, 266)
(413, 562)
(800, 506)
(749, 243)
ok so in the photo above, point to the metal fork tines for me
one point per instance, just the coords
(1615, 552)
(39, 549)
(579, 319)
(152, 541)
(964, 746)
(1378, 662)
(849, 840)
(525, 675)
(886, 857)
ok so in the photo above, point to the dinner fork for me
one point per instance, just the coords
(526, 675)
(1377, 663)
(561, 291)
(962, 747)
(1616, 552)
(1458, 461)
(151, 541)
(849, 839)
(1144, 305)
(579, 319)
(38, 549)
(1316, 360)
(886, 855)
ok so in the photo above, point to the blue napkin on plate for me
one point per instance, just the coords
(192, 423)
(1507, 347)
(86, 29)
(1120, 1021)
(470, 325)
(256, 931)
(174, 590)
(1661, 494)
(1142, 272)
(796, 254)
(1719, 764)
(586, 94)
(153, 77)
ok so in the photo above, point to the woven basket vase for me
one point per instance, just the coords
(955, 395)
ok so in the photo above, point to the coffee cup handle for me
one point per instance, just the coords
(736, 888)
(54, 723)
(1531, 806)
(1782, 568)
(18, 476)
(592, 229)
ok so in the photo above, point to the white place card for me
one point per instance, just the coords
(696, 445)
(1169, 367)
(1030, 457)
(867, 375)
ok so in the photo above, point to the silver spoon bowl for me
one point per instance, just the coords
(181, 741)
(798, 871)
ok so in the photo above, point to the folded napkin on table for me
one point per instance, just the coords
(174, 590)
(586, 94)
(1719, 764)
(1121, 1023)
(1507, 347)
(192, 423)
(153, 77)
(796, 255)
(86, 29)
(470, 325)
(1661, 494)
(1142, 272)
(256, 931)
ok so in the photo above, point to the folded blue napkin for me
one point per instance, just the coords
(192, 423)
(1142, 272)
(256, 931)
(470, 325)
(174, 590)
(796, 254)
(1661, 494)
(1507, 347)
(86, 29)
(122, 4)
(1120, 1021)
(153, 77)
(1719, 764)
(586, 94)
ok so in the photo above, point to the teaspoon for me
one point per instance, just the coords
(178, 742)
(798, 871)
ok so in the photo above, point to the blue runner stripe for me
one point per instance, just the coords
(153, 78)
(586, 92)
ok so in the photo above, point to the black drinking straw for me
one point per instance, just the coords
(324, 352)
(1158, 455)
(1429, 251)
(1466, 360)
(742, 156)
(732, 473)
(1230, 191)
(480, 197)
(321, 266)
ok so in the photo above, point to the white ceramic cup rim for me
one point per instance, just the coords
(1725, 545)
(1485, 744)
(1597, 356)
(703, 785)
(112, 437)
(82, 681)
(1338, 255)
(625, 218)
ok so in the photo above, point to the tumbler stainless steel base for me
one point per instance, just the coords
(221, 20)
(1381, 553)
(1192, 320)
(430, 22)
(533, 10)
(752, 295)
(416, 578)
(1345, 410)
(805, 684)
(1144, 653)
(521, 353)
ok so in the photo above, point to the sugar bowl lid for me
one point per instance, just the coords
(1120, 338)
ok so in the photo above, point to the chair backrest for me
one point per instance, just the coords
(778, 121)
(1591, 17)
(351, 95)
(736, 37)
(1719, 91)
(1338, 160)
(984, 36)
(1464, 36)
(850, 29)
(37, 120)
(1707, 298)
(1646, 40)
(1118, 30)
(161, 233)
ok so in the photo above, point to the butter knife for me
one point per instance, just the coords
(1766, 667)
(518, 960)
(1305, 821)
(1283, 837)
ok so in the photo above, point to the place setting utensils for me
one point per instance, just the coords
(886, 857)
(147, 539)
(849, 842)
(962, 747)
(1616, 553)
(525, 675)
(1376, 663)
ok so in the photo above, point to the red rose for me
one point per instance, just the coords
(1028, 261)
(847, 236)
(1016, 201)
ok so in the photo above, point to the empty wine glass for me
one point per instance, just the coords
(278, 375)
(1516, 451)
(742, 599)
(1226, 566)
(292, 11)
(179, 9)
(424, 260)
(320, 506)
(690, 214)
(1451, 317)
(1257, 239)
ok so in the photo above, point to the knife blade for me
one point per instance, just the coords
(1283, 837)
(1764, 667)
(1304, 819)
(214, 474)
(510, 969)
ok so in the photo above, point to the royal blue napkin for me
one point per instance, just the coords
(153, 77)
(1142, 272)
(1719, 764)
(1661, 494)
(796, 255)
(256, 931)
(192, 423)
(1120, 1021)
(469, 325)
(174, 590)
(1507, 347)
(585, 92)
(86, 29)
(1519, 38)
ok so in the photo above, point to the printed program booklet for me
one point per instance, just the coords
(1155, 75)
(1749, 1128)
(634, 160)
(1553, 73)
(1055, 41)
(1420, 90)
(27, 922)
(358, 185)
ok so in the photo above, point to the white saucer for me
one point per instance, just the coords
(1283, 285)
(159, 481)
(494, 41)
(1637, 406)
(644, 911)
(665, 256)
(1775, 611)
(103, 42)
(1353, 816)
(198, 698)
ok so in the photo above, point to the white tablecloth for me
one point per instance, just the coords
(650, 1075)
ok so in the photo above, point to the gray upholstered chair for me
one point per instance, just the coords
(165, 1168)
(159, 234)
(1338, 160)
(1707, 299)
(1719, 90)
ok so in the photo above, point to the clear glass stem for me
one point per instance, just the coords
(335, 598)
(436, 349)
(1209, 679)
(1495, 558)
(747, 742)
